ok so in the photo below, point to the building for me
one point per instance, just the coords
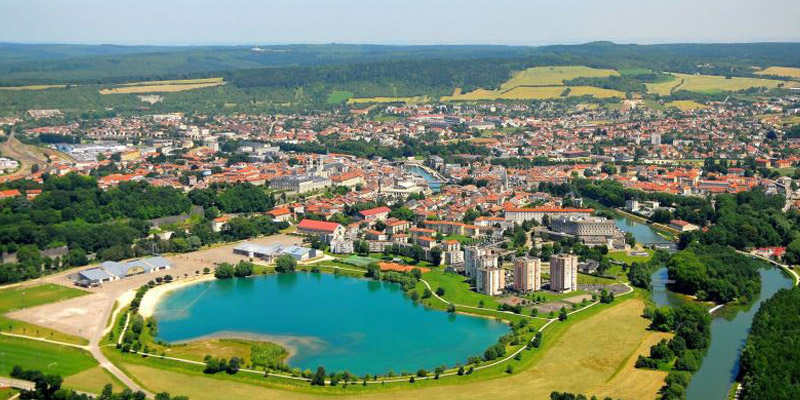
(682, 226)
(272, 252)
(280, 214)
(325, 230)
(527, 274)
(564, 273)
(581, 226)
(520, 215)
(342, 246)
(472, 256)
(490, 280)
(375, 214)
(112, 270)
(300, 184)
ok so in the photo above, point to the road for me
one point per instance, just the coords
(27, 156)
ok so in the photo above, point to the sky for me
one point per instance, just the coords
(510, 22)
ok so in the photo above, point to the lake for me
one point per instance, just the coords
(729, 330)
(338, 322)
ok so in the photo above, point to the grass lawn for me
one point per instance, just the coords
(45, 357)
(23, 297)
(8, 393)
(623, 256)
(93, 380)
(456, 289)
(586, 279)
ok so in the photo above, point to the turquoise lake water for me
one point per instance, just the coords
(341, 323)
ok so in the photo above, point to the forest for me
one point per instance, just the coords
(770, 364)
(715, 273)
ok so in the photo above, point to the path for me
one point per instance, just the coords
(785, 267)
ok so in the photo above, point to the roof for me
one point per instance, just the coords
(551, 209)
(314, 225)
(279, 211)
(375, 211)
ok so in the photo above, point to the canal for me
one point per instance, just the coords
(729, 328)
(433, 183)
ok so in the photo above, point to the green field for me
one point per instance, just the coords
(710, 84)
(23, 297)
(457, 290)
(339, 96)
(54, 358)
(623, 256)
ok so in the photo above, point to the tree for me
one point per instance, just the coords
(285, 263)
(319, 377)
(562, 315)
(243, 269)
(224, 271)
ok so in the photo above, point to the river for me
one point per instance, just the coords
(433, 183)
(729, 330)
(642, 232)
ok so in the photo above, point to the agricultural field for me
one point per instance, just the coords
(178, 85)
(787, 72)
(553, 76)
(686, 105)
(541, 83)
(32, 87)
(710, 84)
(339, 96)
(382, 100)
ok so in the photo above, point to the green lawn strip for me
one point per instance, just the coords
(624, 257)
(46, 357)
(7, 393)
(457, 290)
(17, 298)
(586, 279)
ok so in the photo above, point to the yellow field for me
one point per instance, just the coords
(594, 356)
(92, 380)
(686, 105)
(534, 93)
(158, 88)
(781, 71)
(368, 100)
(710, 84)
(174, 82)
(553, 76)
(32, 87)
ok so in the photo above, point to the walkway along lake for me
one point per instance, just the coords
(338, 322)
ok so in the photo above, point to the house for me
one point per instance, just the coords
(280, 214)
(426, 242)
(219, 223)
(371, 234)
(682, 225)
(342, 246)
(7, 194)
(323, 229)
(375, 214)
(395, 226)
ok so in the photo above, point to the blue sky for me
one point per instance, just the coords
(530, 22)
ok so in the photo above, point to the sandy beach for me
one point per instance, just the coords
(151, 298)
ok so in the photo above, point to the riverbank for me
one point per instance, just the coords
(150, 300)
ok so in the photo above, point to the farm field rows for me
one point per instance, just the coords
(710, 84)
(781, 71)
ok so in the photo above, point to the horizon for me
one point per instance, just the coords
(447, 22)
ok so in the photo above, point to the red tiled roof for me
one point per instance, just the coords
(374, 211)
(318, 225)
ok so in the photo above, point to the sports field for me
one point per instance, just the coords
(17, 298)
(781, 71)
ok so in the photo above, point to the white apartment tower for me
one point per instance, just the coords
(564, 273)
(527, 274)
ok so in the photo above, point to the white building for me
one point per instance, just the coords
(472, 257)
(564, 273)
(520, 215)
(527, 274)
(490, 280)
